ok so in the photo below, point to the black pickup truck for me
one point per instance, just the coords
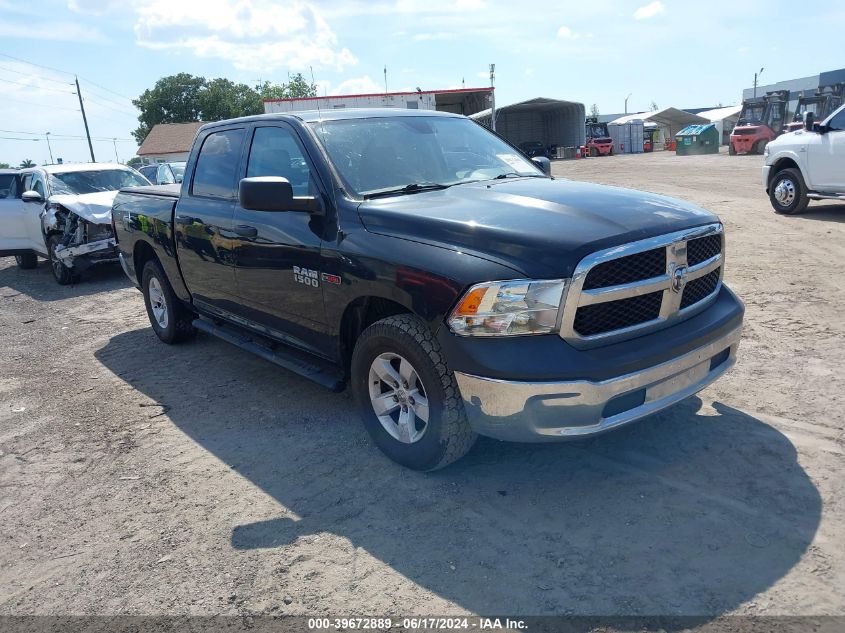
(454, 285)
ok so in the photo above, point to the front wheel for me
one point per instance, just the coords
(26, 261)
(408, 397)
(171, 320)
(731, 150)
(788, 193)
(62, 274)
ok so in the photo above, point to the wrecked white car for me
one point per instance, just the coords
(62, 213)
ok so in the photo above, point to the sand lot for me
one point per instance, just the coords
(141, 478)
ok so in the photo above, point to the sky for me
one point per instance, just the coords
(671, 52)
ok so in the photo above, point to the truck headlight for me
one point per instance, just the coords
(766, 150)
(508, 308)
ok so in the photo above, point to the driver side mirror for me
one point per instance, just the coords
(543, 163)
(273, 193)
(32, 196)
(809, 121)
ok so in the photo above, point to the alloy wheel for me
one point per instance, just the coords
(398, 397)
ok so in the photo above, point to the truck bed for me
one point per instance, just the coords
(162, 191)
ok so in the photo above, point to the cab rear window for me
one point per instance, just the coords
(8, 186)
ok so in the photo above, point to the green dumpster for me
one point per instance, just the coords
(697, 139)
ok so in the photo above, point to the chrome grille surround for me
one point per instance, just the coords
(670, 307)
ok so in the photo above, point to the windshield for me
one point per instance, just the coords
(381, 154)
(80, 182)
(595, 130)
(752, 113)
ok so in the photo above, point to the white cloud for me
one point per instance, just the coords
(743, 50)
(649, 10)
(252, 34)
(357, 86)
(95, 7)
(439, 35)
(52, 31)
(566, 33)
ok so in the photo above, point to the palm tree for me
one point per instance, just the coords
(27, 163)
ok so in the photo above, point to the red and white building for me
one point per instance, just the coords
(464, 101)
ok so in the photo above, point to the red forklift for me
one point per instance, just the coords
(761, 121)
(821, 103)
(599, 142)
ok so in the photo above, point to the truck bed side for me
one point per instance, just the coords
(143, 219)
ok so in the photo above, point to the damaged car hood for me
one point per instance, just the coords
(92, 207)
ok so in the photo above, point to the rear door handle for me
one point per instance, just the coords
(246, 231)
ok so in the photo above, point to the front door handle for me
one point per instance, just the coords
(246, 231)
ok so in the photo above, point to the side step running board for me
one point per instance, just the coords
(825, 196)
(283, 356)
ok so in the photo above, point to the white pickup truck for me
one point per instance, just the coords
(808, 164)
(62, 213)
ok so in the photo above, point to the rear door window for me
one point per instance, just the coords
(8, 186)
(218, 165)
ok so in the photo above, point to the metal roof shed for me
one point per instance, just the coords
(725, 120)
(550, 121)
(669, 121)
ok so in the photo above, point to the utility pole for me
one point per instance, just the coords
(50, 149)
(116, 159)
(757, 74)
(492, 97)
(85, 120)
(626, 102)
(385, 79)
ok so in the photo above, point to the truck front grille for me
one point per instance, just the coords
(700, 288)
(643, 265)
(615, 315)
(626, 291)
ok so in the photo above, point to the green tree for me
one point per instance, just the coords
(654, 106)
(594, 110)
(4, 165)
(223, 99)
(183, 98)
(297, 86)
(27, 163)
(135, 161)
(173, 99)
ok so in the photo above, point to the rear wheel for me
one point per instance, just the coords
(407, 395)
(594, 152)
(171, 320)
(788, 193)
(27, 261)
(62, 274)
(731, 149)
(760, 146)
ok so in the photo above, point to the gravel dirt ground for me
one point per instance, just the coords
(139, 478)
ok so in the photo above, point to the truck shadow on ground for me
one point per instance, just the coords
(690, 512)
(823, 212)
(39, 283)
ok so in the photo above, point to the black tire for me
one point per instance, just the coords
(610, 153)
(27, 261)
(790, 179)
(447, 436)
(594, 152)
(760, 146)
(61, 273)
(177, 324)
(731, 149)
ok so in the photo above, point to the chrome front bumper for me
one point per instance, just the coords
(546, 411)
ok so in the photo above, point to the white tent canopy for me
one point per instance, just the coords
(725, 120)
(669, 121)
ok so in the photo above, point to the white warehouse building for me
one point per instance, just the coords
(464, 101)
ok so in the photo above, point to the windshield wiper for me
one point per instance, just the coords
(414, 187)
(514, 174)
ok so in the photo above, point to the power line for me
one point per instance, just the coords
(21, 83)
(108, 107)
(20, 72)
(40, 105)
(71, 136)
(15, 138)
(64, 72)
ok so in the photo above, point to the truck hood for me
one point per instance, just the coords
(93, 207)
(540, 227)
